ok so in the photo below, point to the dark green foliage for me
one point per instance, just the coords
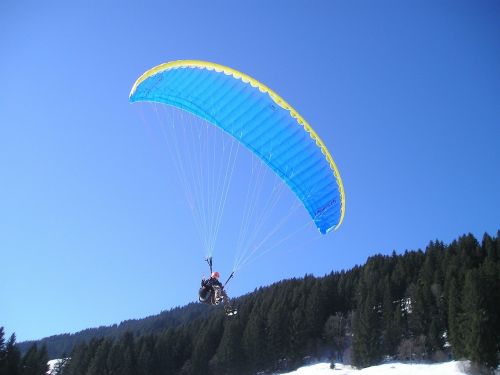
(367, 327)
(334, 333)
(254, 338)
(10, 357)
(2, 344)
(82, 357)
(392, 331)
(481, 333)
(34, 361)
(230, 357)
(206, 345)
(65, 343)
(432, 305)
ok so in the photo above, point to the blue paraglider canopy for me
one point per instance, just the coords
(260, 120)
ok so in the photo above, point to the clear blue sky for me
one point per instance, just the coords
(406, 95)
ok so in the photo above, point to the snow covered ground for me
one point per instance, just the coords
(396, 368)
(446, 368)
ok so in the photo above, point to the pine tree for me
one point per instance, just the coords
(35, 361)
(230, 358)
(206, 346)
(315, 311)
(115, 358)
(160, 361)
(43, 359)
(481, 340)
(254, 339)
(278, 334)
(182, 348)
(2, 343)
(455, 322)
(390, 332)
(81, 357)
(145, 355)
(334, 333)
(399, 322)
(297, 334)
(99, 362)
(128, 350)
(469, 251)
(489, 246)
(12, 358)
(366, 341)
(2, 351)
(366, 348)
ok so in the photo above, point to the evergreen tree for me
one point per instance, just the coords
(145, 355)
(481, 340)
(2, 343)
(489, 246)
(2, 351)
(254, 339)
(469, 251)
(182, 348)
(277, 329)
(12, 358)
(99, 362)
(455, 313)
(161, 360)
(206, 347)
(35, 361)
(399, 323)
(43, 359)
(366, 341)
(297, 329)
(366, 349)
(315, 312)
(230, 358)
(334, 332)
(390, 331)
(126, 346)
(81, 357)
(115, 358)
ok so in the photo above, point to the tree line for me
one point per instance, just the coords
(57, 345)
(12, 362)
(433, 305)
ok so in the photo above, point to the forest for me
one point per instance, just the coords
(435, 304)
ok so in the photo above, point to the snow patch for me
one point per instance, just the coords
(52, 363)
(396, 368)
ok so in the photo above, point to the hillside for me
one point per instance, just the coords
(432, 305)
(58, 345)
(446, 368)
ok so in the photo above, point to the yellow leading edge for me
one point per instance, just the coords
(263, 88)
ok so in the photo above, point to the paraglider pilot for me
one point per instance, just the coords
(212, 292)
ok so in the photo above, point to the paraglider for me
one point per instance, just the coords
(259, 119)
(212, 291)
